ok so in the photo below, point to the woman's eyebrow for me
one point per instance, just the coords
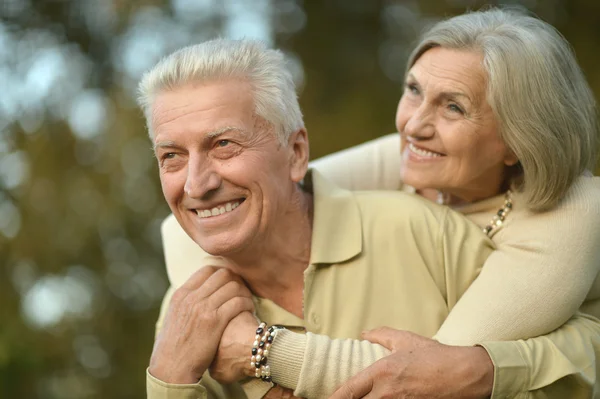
(450, 95)
(446, 95)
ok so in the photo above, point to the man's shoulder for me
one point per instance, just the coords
(398, 215)
(398, 205)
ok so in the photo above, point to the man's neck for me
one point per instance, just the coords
(274, 268)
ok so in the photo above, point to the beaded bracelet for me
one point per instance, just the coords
(260, 350)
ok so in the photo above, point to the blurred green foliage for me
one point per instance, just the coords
(80, 202)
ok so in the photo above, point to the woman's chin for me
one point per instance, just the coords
(420, 181)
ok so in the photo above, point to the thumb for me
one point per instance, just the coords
(384, 336)
(356, 387)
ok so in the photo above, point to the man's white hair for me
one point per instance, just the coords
(273, 88)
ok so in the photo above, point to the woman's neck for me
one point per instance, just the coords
(454, 198)
(441, 197)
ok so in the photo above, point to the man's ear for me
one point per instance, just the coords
(298, 145)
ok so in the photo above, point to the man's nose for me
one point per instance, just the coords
(202, 178)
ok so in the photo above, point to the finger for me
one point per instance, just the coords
(199, 277)
(230, 290)
(234, 307)
(216, 281)
(356, 387)
(384, 336)
(398, 340)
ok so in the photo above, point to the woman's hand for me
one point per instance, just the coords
(420, 367)
(397, 340)
(232, 362)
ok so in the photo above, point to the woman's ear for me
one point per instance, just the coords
(298, 145)
(510, 159)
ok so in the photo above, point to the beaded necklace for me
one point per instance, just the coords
(499, 217)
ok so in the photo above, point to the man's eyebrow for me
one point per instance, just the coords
(209, 135)
(163, 144)
(217, 133)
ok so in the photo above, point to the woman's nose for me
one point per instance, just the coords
(419, 124)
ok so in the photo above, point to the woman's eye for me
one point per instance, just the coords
(223, 143)
(455, 108)
(412, 88)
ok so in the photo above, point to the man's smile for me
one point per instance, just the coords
(218, 209)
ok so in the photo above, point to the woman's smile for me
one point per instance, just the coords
(421, 154)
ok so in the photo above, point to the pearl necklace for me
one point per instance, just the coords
(442, 198)
(499, 217)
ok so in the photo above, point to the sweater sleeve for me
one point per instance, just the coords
(374, 165)
(156, 389)
(206, 388)
(537, 279)
(558, 365)
(316, 365)
(533, 283)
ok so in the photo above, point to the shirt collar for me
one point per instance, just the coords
(337, 229)
(336, 235)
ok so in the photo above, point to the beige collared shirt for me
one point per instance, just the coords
(377, 258)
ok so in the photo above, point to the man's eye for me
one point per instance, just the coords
(225, 149)
(169, 155)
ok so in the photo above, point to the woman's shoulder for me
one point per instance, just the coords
(584, 194)
(561, 240)
(576, 215)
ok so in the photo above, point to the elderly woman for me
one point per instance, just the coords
(496, 121)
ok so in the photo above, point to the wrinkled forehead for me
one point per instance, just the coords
(207, 107)
(452, 70)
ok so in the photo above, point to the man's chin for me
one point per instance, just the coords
(219, 247)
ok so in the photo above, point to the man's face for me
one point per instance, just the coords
(224, 174)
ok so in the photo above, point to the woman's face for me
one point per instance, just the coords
(449, 134)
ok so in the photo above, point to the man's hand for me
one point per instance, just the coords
(198, 313)
(420, 367)
(232, 362)
(280, 393)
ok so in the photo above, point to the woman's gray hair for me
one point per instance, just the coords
(264, 69)
(542, 101)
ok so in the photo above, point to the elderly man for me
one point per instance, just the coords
(233, 155)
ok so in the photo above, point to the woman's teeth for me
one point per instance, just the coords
(423, 153)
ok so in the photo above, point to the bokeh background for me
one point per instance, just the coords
(81, 266)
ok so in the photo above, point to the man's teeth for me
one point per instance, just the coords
(421, 152)
(228, 207)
